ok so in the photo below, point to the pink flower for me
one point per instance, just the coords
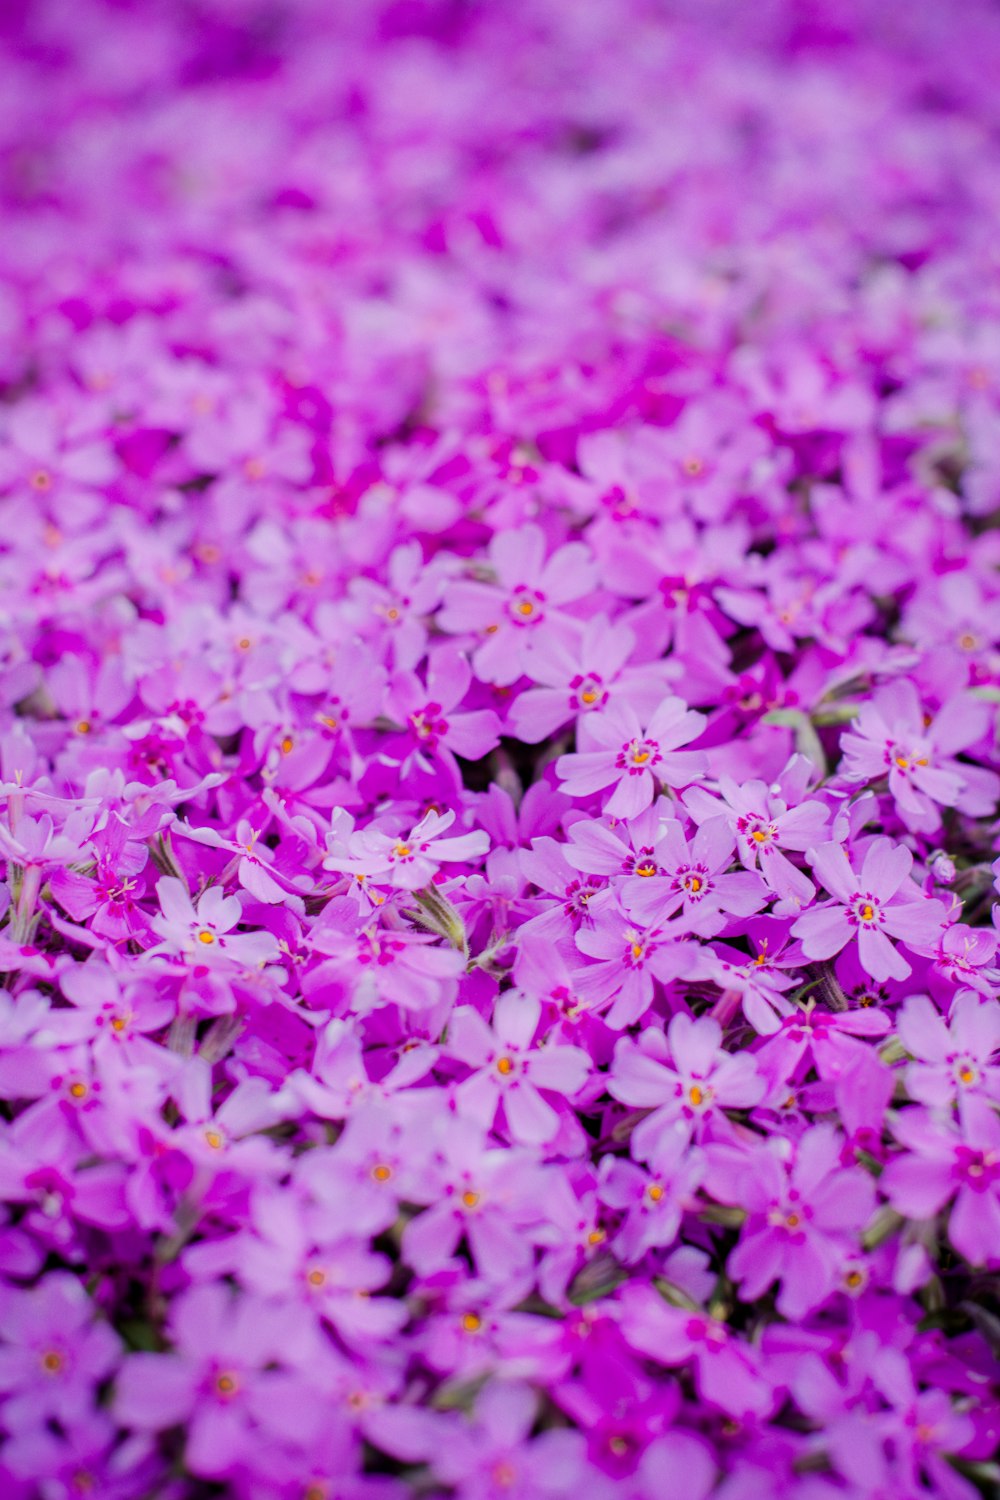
(510, 1069)
(893, 738)
(766, 820)
(685, 1077)
(227, 1379)
(54, 1352)
(435, 727)
(206, 931)
(945, 1162)
(870, 905)
(953, 1059)
(727, 1369)
(653, 1201)
(805, 1212)
(616, 751)
(407, 861)
(692, 879)
(580, 674)
(629, 959)
(528, 591)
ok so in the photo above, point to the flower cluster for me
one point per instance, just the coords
(499, 750)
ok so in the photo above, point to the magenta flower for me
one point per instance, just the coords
(576, 675)
(54, 1353)
(435, 727)
(510, 1069)
(228, 1379)
(692, 879)
(951, 1163)
(616, 751)
(917, 754)
(870, 905)
(653, 1202)
(766, 821)
(727, 1369)
(629, 961)
(529, 590)
(684, 1078)
(206, 931)
(804, 1216)
(410, 860)
(953, 1059)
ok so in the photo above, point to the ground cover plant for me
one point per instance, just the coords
(499, 674)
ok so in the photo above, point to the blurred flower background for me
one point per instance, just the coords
(499, 674)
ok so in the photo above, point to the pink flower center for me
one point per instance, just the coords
(865, 911)
(587, 692)
(526, 606)
(638, 756)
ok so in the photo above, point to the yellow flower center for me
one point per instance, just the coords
(469, 1198)
(381, 1172)
(588, 696)
(472, 1322)
(640, 757)
(205, 936)
(596, 1237)
(646, 867)
(52, 1362)
(214, 1139)
(504, 1065)
(654, 1192)
(226, 1384)
(83, 726)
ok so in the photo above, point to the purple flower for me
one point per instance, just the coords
(407, 860)
(945, 1162)
(894, 738)
(653, 1202)
(805, 1211)
(692, 879)
(953, 1060)
(577, 675)
(529, 590)
(629, 959)
(617, 751)
(727, 1369)
(684, 1077)
(870, 905)
(510, 1069)
(206, 932)
(54, 1353)
(227, 1379)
